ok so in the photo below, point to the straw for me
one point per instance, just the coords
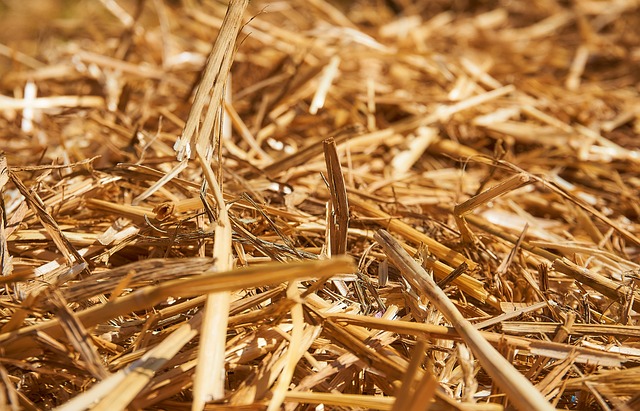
(518, 389)
(190, 194)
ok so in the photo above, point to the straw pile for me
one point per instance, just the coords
(319, 205)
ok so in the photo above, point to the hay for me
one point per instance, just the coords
(319, 205)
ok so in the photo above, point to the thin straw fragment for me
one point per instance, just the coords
(339, 225)
(329, 73)
(506, 186)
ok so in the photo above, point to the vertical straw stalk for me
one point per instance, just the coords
(339, 223)
(208, 384)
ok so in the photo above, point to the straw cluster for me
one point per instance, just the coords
(387, 205)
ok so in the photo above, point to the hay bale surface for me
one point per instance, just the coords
(319, 205)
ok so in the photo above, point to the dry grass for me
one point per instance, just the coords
(348, 205)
